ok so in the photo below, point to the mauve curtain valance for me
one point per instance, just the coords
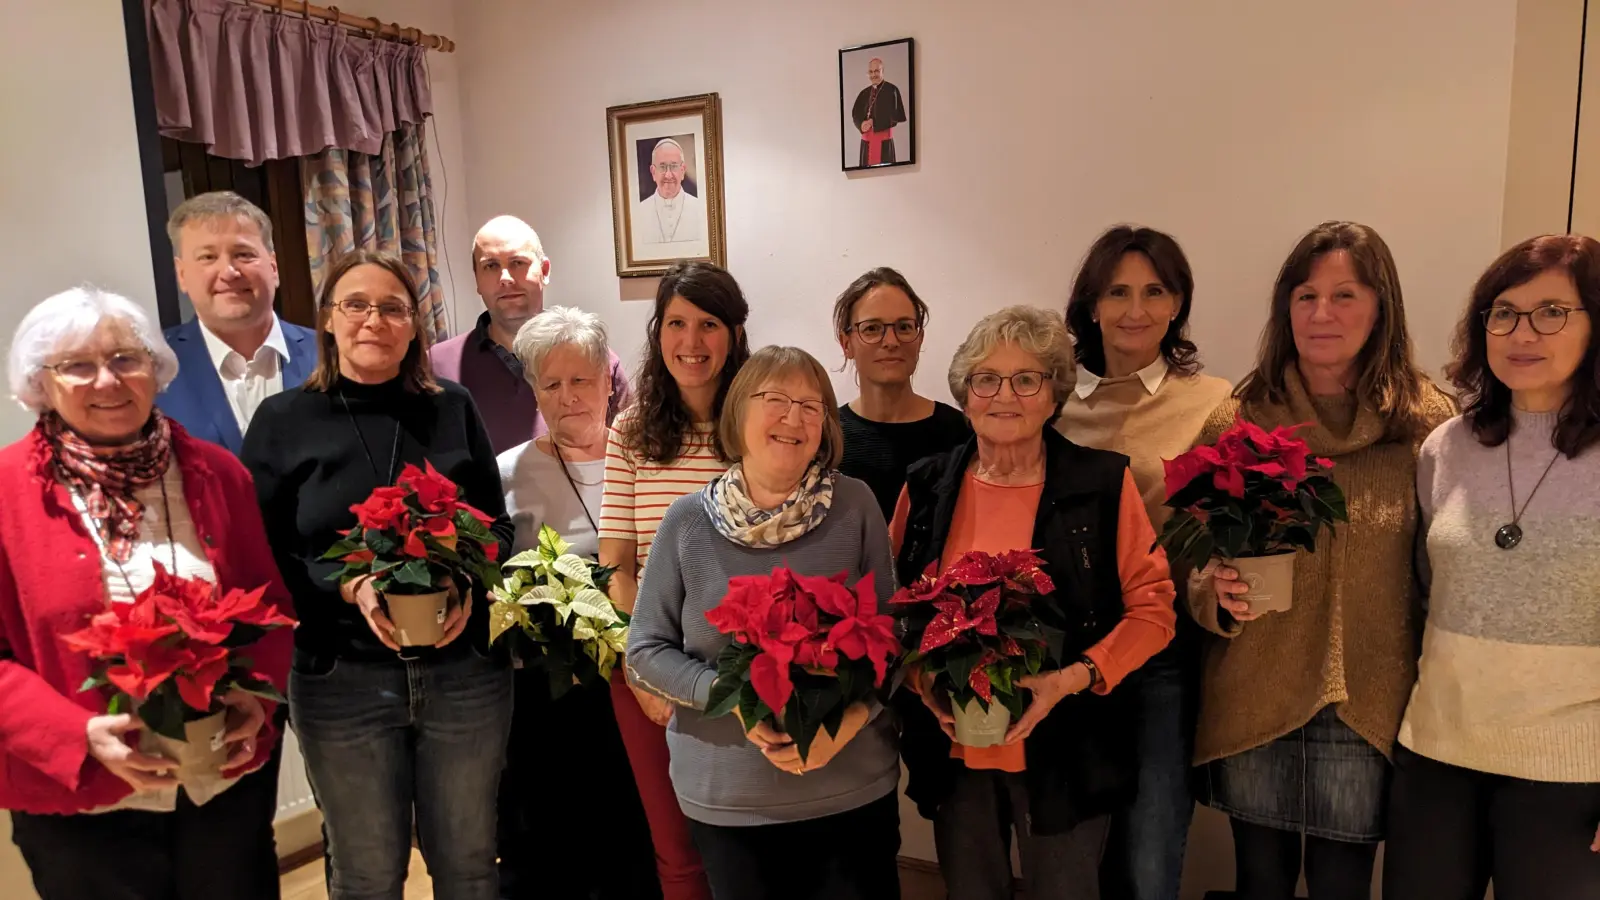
(255, 85)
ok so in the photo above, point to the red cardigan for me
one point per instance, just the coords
(51, 582)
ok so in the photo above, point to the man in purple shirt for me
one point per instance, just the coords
(511, 271)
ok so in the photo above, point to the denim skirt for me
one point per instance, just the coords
(1322, 780)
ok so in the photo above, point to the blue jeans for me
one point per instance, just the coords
(386, 742)
(1149, 838)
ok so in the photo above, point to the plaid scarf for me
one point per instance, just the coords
(107, 480)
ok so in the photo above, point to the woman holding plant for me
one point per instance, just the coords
(665, 446)
(1299, 709)
(1070, 760)
(393, 732)
(558, 481)
(1140, 392)
(775, 815)
(1497, 776)
(102, 496)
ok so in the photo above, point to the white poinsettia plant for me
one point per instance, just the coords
(554, 603)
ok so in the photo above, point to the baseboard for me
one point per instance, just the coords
(299, 838)
(931, 867)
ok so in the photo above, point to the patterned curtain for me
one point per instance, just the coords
(378, 202)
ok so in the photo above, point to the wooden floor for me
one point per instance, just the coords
(305, 883)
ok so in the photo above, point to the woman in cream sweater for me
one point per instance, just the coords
(1299, 709)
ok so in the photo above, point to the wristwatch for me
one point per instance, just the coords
(1094, 672)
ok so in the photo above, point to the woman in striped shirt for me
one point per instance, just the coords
(661, 448)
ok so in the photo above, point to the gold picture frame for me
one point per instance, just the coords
(666, 183)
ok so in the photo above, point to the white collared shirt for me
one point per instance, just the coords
(1152, 376)
(249, 382)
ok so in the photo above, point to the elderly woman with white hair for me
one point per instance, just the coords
(1071, 759)
(100, 491)
(558, 479)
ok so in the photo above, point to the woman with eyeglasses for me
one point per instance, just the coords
(391, 736)
(1497, 772)
(100, 492)
(1071, 760)
(770, 825)
(879, 322)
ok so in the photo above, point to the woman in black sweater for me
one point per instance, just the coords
(388, 735)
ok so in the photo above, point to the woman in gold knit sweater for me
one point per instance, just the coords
(1299, 710)
(1140, 393)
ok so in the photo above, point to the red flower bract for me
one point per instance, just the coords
(385, 509)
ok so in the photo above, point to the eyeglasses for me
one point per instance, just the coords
(1023, 384)
(1503, 320)
(398, 313)
(669, 167)
(871, 331)
(777, 403)
(121, 364)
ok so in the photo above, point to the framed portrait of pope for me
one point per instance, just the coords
(877, 119)
(666, 183)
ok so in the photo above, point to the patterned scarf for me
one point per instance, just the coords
(741, 521)
(107, 481)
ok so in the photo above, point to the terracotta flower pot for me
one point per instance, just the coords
(1271, 581)
(418, 618)
(203, 752)
(976, 728)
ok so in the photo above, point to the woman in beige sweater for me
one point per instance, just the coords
(1299, 710)
(1140, 393)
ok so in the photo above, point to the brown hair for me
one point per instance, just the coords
(1486, 399)
(1094, 278)
(415, 371)
(845, 306)
(656, 428)
(1387, 376)
(771, 364)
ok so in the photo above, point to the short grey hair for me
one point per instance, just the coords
(60, 323)
(215, 205)
(555, 327)
(1040, 332)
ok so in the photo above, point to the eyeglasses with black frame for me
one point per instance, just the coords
(1023, 384)
(777, 405)
(871, 331)
(397, 313)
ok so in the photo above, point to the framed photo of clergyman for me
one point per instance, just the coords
(666, 183)
(877, 118)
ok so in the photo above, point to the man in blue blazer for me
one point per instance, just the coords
(235, 352)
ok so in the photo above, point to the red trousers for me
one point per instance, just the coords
(677, 860)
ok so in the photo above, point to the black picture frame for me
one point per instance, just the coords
(900, 148)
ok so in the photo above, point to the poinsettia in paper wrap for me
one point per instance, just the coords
(170, 655)
(980, 625)
(414, 535)
(1252, 493)
(553, 604)
(804, 650)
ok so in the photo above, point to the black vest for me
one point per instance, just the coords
(1082, 759)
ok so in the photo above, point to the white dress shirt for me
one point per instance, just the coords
(249, 382)
(1152, 376)
(662, 221)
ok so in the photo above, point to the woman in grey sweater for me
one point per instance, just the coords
(768, 824)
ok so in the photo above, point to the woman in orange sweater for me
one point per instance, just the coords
(1071, 759)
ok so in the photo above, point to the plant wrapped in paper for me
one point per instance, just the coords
(413, 537)
(804, 650)
(977, 628)
(553, 603)
(1251, 499)
(171, 655)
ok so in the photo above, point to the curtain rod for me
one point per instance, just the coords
(372, 25)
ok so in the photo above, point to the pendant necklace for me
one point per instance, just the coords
(1510, 534)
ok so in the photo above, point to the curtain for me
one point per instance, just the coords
(257, 84)
(382, 201)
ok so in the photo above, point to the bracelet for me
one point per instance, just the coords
(1094, 672)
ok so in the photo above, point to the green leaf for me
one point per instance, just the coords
(379, 542)
(725, 696)
(93, 682)
(960, 663)
(341, 549)
(119, 704)
(259, 687)
(551, 544)
(415, 573)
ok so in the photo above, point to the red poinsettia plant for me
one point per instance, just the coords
(804, 650)
(982, 624)
(414, 535)
(172, 653)
(1252, 493)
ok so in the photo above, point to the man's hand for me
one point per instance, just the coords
(866, 126)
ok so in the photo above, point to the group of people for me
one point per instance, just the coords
(1436, 684)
